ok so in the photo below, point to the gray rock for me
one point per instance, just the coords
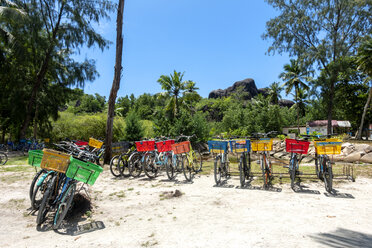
(247, 86)
(367, 158)
(363, 148)
(286, 103)
(354, 157)
(307, 159)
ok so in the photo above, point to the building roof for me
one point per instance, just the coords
(335, 123)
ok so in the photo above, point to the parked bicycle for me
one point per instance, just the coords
(3, 158)
(262, 144)
(221, 160)
(243, 148)
(297, 148)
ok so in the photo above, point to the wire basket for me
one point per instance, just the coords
(217, 146)
(85, 172)
(263, 144)
(164, 146)
(145, 146)
(240, 146)
(182, 147)
(297, 146)
(95, 143)
(55, 160)
(328, 146)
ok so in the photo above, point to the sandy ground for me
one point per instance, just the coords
(142, 213)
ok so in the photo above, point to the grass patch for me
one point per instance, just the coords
(22, 160)
(16, 168)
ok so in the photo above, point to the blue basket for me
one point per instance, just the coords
(215, 146)
(240, 146)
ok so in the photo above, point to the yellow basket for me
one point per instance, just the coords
(328, 146)
(46, 140)
(95, 143)
(55, 161)
(263, 144)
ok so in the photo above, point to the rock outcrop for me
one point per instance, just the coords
(247, 87)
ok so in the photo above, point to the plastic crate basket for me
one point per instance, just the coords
(328, 146)
(164, 146)
(240, 146)
(85, 172)
(95, 143)
(55, 160)
(263, 144)
(297, 146)
(35, 157)
(215, 146)
(145, 146)
(182, 147)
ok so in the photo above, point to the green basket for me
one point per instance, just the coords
(85, 172)
(35, 157)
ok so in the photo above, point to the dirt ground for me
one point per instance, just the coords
(143, 213)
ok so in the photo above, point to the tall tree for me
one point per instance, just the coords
(274, 93)
(319, 33)
(364, 61)
(67, 25)
(294, 76)
(116, 83)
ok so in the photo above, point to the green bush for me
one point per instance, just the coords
(133, 127)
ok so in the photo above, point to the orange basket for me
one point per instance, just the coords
(55, 160)
(182, 147)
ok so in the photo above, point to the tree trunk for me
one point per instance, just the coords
(35, 122)
(298, 115)
(116, 83)
(360, 130)
(330, 107)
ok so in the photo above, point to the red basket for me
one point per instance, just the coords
(81, 143)
(182, 147)
(145, 146)
(297, 146)
(164, 146)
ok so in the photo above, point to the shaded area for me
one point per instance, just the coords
(343, 238)
(336, 194)
(298, 188)
(251, 187)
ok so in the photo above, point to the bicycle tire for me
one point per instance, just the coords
(39, 192)
(292, 170)
(170, 167)
(3, 158)
(265, 173)
(198, 162)
(248, 168)
(217, 170)
(148, 166)
(33, 183)
(43, 209)
(187, 168)
(64, 205)
(123, 166)
(134, 164)
(328, 177)
(242, 175)
(113, 166)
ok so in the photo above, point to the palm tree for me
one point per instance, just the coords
(274, 93)
(175, 88)
(302, 101)
(9, 13)
(364, 61)
(294, 76)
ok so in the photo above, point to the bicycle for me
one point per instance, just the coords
(3, 158)
(243, 148)
(221, 162)
(191, 160)
(262, 144)
(323, 164)
(296, 148)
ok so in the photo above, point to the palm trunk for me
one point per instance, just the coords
(298, 115)
(360, 130)
(116, 83)
(330, 107)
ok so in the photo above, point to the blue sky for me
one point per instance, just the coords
(215, 42)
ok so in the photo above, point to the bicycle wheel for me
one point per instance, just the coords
(242, 170)
(170, 167)
(187, 168)
(197, 161)
(265, 173)
(148, 165)
(217, 170)
(123, 165)
(33, 183)
(113, 166)
(134, 164)
(292, 169)
(64, 205)
(328, 176)
(3, 158)
(317, 164)
(248, 167)
(38, 194)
